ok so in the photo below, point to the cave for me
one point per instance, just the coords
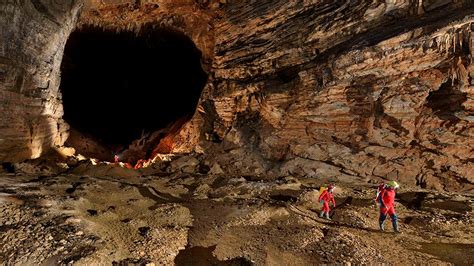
(205, 132)
(446, 101)
(119, 85)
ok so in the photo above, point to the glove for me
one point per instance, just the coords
(321, 202)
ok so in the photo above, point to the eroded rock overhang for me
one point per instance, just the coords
(37, 31)
(347, 89)
(349, 100)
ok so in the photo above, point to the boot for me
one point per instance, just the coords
(327, 216)
(381, 220)
(321, 214)
(395, 225)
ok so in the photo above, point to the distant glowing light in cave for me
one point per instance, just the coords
(117, 85)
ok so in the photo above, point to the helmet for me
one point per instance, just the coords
(393, 184)
(331, 186)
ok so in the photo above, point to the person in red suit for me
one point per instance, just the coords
(386, 199)
(325, 198)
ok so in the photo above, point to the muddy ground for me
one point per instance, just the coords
(203, 219)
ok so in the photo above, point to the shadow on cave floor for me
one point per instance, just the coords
(191, 219)
(202, 256)
(457, 254)
(426, 200)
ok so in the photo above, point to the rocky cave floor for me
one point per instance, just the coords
(108, 215)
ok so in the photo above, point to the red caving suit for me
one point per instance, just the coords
(387, 200)
(327, 197)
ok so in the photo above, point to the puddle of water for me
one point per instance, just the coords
(458, 254)
(202, 256)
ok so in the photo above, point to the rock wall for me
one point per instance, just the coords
(33, 34)
(345, 89)
(32, 38)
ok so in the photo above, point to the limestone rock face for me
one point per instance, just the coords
(348, 88)
(341, 89)
(32, 38)
(33, 35)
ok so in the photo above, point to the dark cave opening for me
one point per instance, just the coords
(446, 101)
(118, 84)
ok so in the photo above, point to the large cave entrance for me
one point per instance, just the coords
(119, 85)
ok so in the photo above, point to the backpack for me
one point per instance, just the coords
(323, 188)
(380, 191)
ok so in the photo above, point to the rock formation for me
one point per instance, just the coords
(349, 88)
(33, 35)
(345, 89)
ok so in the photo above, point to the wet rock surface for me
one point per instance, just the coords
(170, 218)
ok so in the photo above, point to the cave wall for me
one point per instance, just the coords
(195, 19)
(33, 34)
(346, 89)
(32, 38)
(343, 89)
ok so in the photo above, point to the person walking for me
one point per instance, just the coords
(386, 199)
(325, 199)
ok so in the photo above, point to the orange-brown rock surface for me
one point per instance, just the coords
(348, 88)
(344, 89)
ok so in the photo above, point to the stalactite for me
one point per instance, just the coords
(458, 72)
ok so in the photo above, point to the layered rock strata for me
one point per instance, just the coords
(344, 89)
(32, 39)
(33, 36)
(347, 89)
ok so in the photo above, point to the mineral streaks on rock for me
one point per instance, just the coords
(321, 88)
(181, 15)
(350, 88)
(33, 35)
(192, 18)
